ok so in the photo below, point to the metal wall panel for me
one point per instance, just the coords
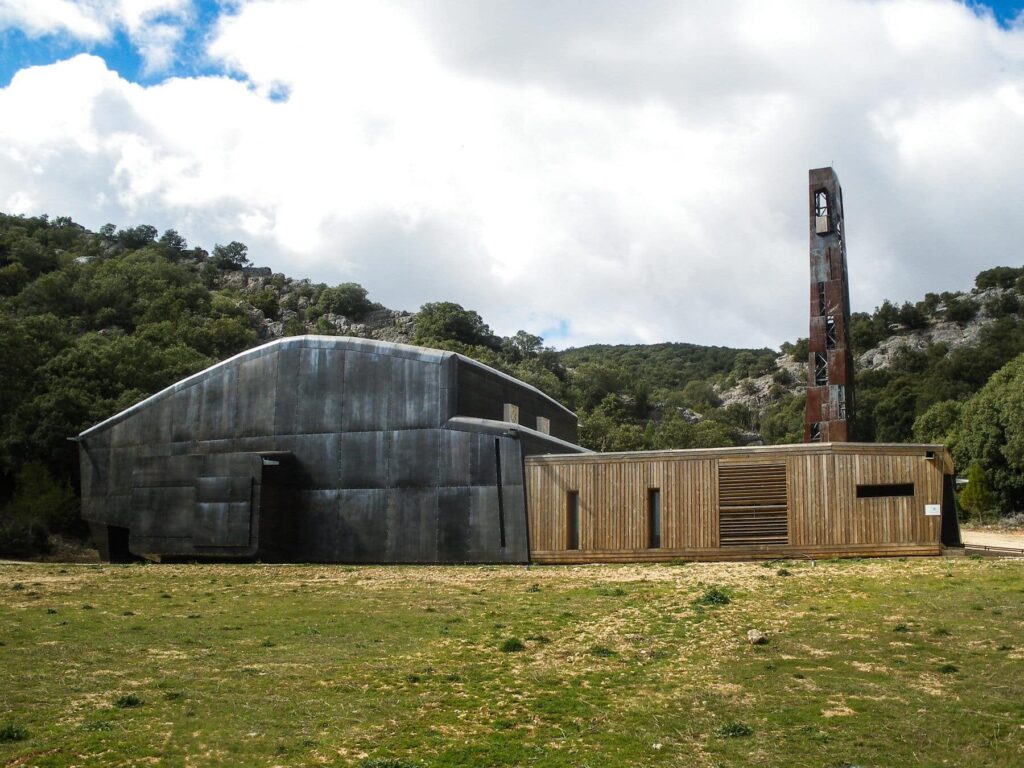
(413, 458)
(362, 466)
(321, 391)
(368, 388)
(364, 459)
(414, 400)
(412, 525)
(257, 389)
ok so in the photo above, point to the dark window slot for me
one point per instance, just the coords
(654, 518)
(501, 501)
(573, 521)
(882, 490)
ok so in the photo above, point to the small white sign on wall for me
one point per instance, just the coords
(933, 510)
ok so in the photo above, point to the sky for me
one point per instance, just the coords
(591, 172)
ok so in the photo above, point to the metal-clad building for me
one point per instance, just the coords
(327, 449)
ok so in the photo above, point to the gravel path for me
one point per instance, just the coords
(1012, 539)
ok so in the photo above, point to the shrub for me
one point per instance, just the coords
(512, 645)
(998, 277)
(713, 596)
(128, 701)
(13, 733)
(783, 376)
(22, 538)
(348, 299)
(266, 302)
(734, 730)
(603, 651)
(960, 310)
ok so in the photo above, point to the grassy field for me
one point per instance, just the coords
(869, 663)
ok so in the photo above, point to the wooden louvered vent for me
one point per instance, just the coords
(752, 505)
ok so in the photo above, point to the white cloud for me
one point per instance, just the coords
(43, 17)
(637, 171)
(155, 27)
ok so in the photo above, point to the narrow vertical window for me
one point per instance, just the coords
(822, 216)
(822, 300)
(830, 332)
(820, 369)
(654, 518)
(573, 520)
(511, 413)
(501, 500)
(816, 432)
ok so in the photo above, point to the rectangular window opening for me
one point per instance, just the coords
(820, 369)
(822, 215)
(573, 521)
(654, 518)
(881, 490)
(822, 299)
(830, 331)
(815, 432)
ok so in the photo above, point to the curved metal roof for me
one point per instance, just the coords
(349, 343)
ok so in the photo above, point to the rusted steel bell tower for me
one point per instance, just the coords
(830, 361)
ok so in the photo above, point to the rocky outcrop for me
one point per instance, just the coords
(951, 334)
(294, 302)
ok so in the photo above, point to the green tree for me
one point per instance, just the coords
(348, 299)
(998, 277)
(448, 321)
(938, 423)
(976, 498)
(232, 256)
(991, 433)
(701, 396)
(591, 383)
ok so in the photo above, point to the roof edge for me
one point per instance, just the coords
(353, 343)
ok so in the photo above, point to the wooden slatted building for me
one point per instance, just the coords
(823, 499)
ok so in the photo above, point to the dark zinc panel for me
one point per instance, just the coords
(412, 525)
(321, 390)
(186, 408)
(286, 395)
(454, 457)
(363, 459)
(413, 459)
(257, 385)
(415, 397)
(368, 388)
(454, 528)
(217, 403)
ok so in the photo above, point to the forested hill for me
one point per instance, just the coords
(91, 322)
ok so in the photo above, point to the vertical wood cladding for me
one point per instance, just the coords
(736, 502)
